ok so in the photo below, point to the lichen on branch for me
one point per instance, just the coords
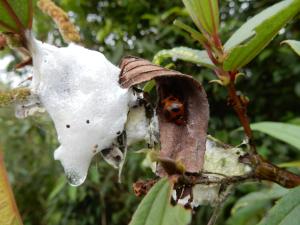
(14, 95)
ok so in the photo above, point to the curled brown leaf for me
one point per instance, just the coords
(182, 142)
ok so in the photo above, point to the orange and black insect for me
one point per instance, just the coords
(174, 110)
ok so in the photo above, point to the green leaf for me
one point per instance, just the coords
(205, 14)
(253, 36)
(9, 214)
(16, 15)
(286, 211)
(173, 11)
(285, 132)
(194, 34)
(60, 184)
(104, 31)
(250, 208)
(155, 208)
(72, 193)
(290, 164)
(185, 54)
(149, 86)
(295, 121)
(295, 45)
(250, 214)
(263, 195)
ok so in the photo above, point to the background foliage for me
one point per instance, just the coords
(142, 28)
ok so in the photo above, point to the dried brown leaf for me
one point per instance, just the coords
(183, 143)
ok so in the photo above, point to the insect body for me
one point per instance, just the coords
(174, 110)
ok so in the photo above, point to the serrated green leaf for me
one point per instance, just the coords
(155, 208)
(295, 45)
(253, 36)
(185, 54)
(286, 211)
(16, 15)
(9, 214)
(285, 132)
(204, 13)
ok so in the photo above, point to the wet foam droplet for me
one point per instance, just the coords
(74, 178)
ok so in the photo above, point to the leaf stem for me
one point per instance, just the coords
(235, 101)
(240, 109)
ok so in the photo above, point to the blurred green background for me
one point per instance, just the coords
(142, 28)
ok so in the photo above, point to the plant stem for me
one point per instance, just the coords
(240, 109)
(264, 170)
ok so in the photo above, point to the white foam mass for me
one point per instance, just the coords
(79, 89)
(218, 160)
(136, 125)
